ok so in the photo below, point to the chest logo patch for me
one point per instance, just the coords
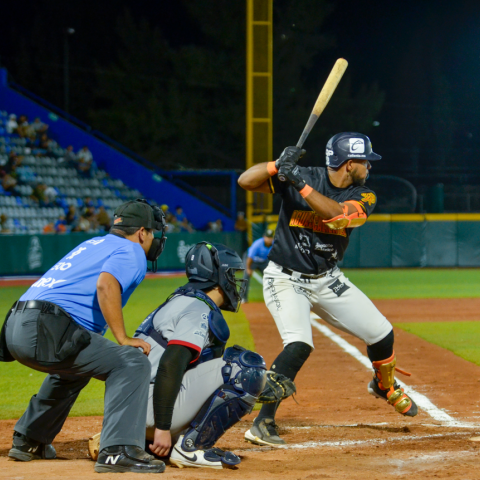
(338, 287)
(369, 198)
(309, 219)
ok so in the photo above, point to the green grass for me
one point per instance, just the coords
(417, 283)
(405, 283)
(18, 383)
(461, 338)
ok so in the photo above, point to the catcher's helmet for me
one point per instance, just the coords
(210, 264)
(343, 146)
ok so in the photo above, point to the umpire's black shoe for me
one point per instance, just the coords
(127, 458)
(25, 449)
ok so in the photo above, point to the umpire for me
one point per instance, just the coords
(256, 257)
(57, 327)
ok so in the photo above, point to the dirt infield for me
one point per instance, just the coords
(337, 430)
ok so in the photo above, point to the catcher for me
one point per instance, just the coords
(199, 389)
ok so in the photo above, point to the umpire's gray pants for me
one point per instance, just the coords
(125, 371)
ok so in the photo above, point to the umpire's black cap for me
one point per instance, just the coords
(343, 146)
(137, 213)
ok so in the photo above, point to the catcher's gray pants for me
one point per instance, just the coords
(125, 371)
(197, 386)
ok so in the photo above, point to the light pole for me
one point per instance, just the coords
(66, 87)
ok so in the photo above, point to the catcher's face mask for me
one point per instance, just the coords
(158, 243)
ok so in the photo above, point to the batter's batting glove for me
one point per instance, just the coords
(293, 176)
(277, 388)
(289, 157)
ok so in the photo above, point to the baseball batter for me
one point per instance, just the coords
(320, 206)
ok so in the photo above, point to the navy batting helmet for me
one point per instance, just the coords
(209, 264)
(343, 146)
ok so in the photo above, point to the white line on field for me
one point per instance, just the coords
(349, 443)
(421, 400)
(257, 277)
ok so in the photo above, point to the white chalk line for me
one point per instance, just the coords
(421, 400)
(351, 443)
(257, 277)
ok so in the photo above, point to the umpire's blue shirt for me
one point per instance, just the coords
(72, 282)
(258, 251)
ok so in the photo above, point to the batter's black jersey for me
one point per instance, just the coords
(302, 241)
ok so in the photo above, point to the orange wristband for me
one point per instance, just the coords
(271, 168)
(305, 191)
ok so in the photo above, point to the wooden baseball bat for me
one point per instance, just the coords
(323, 98)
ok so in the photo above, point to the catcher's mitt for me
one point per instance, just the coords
(94, 446)
(278, 387)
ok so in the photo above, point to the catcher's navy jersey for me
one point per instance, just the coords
(302, 241)
(72, 282)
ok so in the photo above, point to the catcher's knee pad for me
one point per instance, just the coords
(244, 375)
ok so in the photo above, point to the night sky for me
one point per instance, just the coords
(406, 47)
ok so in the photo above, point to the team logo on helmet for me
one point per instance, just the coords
(357, 145)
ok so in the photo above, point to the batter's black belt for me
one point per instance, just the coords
(43, 306)
(303, 276)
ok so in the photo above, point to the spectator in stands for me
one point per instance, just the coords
(165, 210)
(88, 202)
(38, 127)
(85, 162)
(103, 219)
(38, 194)
(23, 126)
(215, 226)
(50, 196)
(89, 214)
(61, 224)
(171, 223)
(70, 157)
(83, 225)
(241, 224)
(49, 228)
(46, 143)
(179, 215)
(4, 224)
(12, 124)
(13, 161)
(9, 182)
(185, 226)
(71, 217)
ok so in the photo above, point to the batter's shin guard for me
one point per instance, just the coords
(384, 386)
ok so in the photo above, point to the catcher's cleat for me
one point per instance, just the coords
(127, 458)
(264, 431)
(394, 396)
(25, 449)
(211, 458)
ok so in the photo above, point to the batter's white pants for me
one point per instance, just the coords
(197, 385)
(333, 298)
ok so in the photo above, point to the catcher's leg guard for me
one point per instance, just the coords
(244, 376)
(384, 386)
